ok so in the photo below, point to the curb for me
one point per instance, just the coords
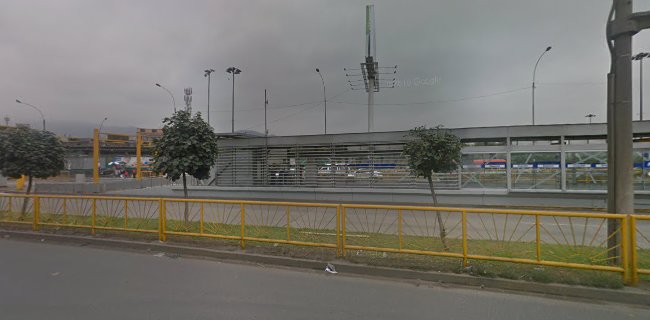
(631, 296)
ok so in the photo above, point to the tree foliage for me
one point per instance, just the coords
(188, 145)
(33, 153)
(432, 150)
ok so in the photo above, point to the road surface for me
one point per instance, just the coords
(48, 281)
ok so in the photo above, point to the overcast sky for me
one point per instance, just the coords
(460, 63)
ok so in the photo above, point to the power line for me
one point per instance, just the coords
(577, 83)
(272, 108)
(300, 111)
(440, 101)
(316, 103)
(285, 117)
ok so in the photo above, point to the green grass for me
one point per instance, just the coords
(508, 249)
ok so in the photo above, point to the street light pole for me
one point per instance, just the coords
(37, 109)
(102, 124)
(266, 103)
(590, 116)
(324, 97)
(96, 145)
(208, 73)
(233, 71)
(640, 58)
(170, 94)
(534, 72)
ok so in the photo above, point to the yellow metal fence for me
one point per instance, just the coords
(547, 238)
(558, 239)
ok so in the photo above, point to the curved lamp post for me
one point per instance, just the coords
(324, 97)
(102, 124)
(534, 71)
(37, 109)
(170, 94)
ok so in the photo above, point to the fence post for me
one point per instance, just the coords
(37, 213)
(538, 240)
(343, 230)
(633, 251)
(625, 241)
(400, 232)
(65, 211)
(243, 223)
(126, 214)
(289, 224)
(94, 216)
(202, 213)
(162, 216)
(464, 237)
(339, 250)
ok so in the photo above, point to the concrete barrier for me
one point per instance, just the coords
(465, 197)
(103, 186)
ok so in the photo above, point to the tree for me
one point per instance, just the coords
(432, 150)
(31, 153)
(188, 146)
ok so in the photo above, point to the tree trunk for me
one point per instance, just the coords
(443, 233)
(186, 215)
(26, 199)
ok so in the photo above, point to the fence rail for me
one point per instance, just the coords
(547, 238)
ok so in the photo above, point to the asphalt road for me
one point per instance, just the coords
(48, 281)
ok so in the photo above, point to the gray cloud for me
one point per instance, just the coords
(84, 60)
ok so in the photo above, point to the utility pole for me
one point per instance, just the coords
(234, 71)
(266, 103)
(233, 102)
(371, 98)
(640, 58)
(371, 80)
(266, 142)
(641, 89)
(622, 25)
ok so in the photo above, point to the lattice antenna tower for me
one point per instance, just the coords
(188, 99)
(371, 77)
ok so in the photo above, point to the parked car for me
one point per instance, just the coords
(339, 171)
(367, 173)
